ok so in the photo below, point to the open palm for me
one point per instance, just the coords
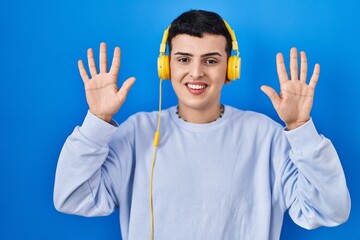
(102, 93)
(296, 97)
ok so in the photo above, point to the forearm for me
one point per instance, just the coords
(79, 176)
(319, 195)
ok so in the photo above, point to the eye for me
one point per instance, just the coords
(183, 60)
(210, 61)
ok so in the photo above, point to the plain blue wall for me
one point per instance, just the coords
(42, 98)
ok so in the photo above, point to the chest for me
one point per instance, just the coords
(202, 167)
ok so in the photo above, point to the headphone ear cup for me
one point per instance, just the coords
(233, 69)
(164, 67)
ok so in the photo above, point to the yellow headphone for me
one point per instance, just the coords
(234, 62)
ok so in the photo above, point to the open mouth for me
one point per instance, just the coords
(196, 86)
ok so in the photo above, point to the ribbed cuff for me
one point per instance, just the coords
(97, 130)
(304, 138)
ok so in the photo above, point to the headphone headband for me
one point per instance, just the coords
(164, 40)
(235, 46)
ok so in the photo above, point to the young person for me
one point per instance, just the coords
(220, 173)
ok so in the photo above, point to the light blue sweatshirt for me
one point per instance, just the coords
(230, 179)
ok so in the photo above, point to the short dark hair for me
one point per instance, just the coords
(196, 23)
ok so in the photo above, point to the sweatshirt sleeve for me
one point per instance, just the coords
(313, 182)
(82, 184)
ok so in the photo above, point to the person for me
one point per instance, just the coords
(220, 172)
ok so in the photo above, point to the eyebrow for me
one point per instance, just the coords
(204, 55)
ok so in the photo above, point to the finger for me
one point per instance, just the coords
(293, 64)
(125, 88)
(303, 67)
(280, 67)
(271, 93)
(315, 76)
(91, 62)
(103, 58)
(115, 65)
(83, 73)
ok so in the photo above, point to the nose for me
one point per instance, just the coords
(196, 70)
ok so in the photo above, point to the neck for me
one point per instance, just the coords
(200, 115)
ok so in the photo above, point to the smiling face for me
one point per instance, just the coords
(198, 73)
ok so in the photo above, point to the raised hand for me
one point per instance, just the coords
(296, 97)
(102, 93)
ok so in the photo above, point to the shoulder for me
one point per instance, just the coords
(141, 117)
(145, 121)
(254, 126)
(148, 118)
(253, 119)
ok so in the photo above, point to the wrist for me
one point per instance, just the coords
(104, 117)
(294, 125)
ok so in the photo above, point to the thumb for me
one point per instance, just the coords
(271, 93)
(125, 88)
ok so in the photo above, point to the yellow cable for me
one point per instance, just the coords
(151, 197)
(156, 143)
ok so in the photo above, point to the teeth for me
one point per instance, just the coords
(196, 87)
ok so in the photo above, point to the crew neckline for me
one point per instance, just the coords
(201, 127)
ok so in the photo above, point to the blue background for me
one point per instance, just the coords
(42, 97)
